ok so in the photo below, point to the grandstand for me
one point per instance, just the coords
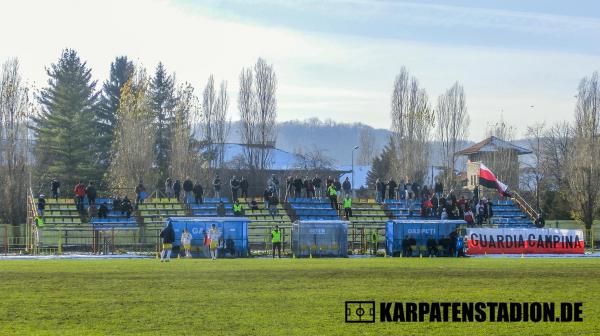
(61, 211)
(507, 214)
(114, 218)
(403, 208)
(208, 208)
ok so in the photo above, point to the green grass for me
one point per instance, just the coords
(280, 297)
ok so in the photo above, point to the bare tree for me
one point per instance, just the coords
(533, 174)
(258, 113)
(315, 159)
(412, 121)
(184, 157)
(504, 161)
(221, 123)
(266, 106)
(366, 151)
(248, 117)
(584, 172)
(452, 122)
(15, 112)
(209, 105)
(557, 149)
(133, 148)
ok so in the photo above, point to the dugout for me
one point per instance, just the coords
(234, 234)
(320, 238)
(420, 230)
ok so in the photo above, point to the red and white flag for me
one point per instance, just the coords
(488, 179)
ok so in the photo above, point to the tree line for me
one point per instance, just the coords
(135, 127)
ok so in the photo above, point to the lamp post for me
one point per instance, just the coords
(353, 193)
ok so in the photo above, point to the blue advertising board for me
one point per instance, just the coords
(234, 234)
(421, 230)
(320, 238)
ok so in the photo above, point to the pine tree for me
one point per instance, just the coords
(121, 71)
(382, 164)
(65, 127)
(163, 103)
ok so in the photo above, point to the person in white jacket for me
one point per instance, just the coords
(186, 242)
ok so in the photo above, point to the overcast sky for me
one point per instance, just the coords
(334, 59)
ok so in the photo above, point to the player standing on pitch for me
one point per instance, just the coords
(215, 237)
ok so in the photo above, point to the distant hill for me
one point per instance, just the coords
(336, 139)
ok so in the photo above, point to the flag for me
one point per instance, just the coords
(488, 179)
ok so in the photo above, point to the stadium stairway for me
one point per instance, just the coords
(208, 208)
(402, 209)
(367, 217)
(507, 214)
(312, 209)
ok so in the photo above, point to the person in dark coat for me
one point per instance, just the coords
(177, 189)
(234, 184)
(198, 192)
(126, 207)
(55, 187)
(298, 187)
(168, 237)
(392, 185)
(317, 184)
(221, 212)
(217, 186)
(140, 192)
(41, 205)
(188, 188)
(103, 211)
(91, 193)
(244, 187)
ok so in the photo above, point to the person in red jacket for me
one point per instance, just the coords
(79, 195)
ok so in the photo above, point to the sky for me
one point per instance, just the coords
(519, 61)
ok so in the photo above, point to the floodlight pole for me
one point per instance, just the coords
(353, 188)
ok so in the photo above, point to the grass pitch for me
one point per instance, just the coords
(280, 297)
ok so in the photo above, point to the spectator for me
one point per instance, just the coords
(217, 186)
(126, 207)
(434, 205)
(41, 205)
(317, 184)
(91, 193)
(328, 182)
(347, 187)
(237, 208)
(168, 237)
(79, 195)
(273, 203)
(415, 190)
(406, 249)
(253, 205)
(140, 191)
(230, 246)
(432, 249)
(425, 192)
(338, 185)
(186, 242)
(460, 247)
(267, 197)
(273, 184)
(116, 204)
(480, 212)
(289, 182)
(469, 218)
(332, 196)
(169, 188)
(55, 187)
(215, 237)
(453, 240)
(177, 190)
(92, 211)
(374, 242)
(188, 189)
(103, 211)
(205, 243)
(298, 187)
(426, 208)
(234, 184)
(309, 188)
(244, 187)
(438, 188)
(198, 193)
(489, 211)
(276, 241)
(391, 185)
(348, 207)
(408, 192)
(221, 209)
(379, 191)
(412, 242)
